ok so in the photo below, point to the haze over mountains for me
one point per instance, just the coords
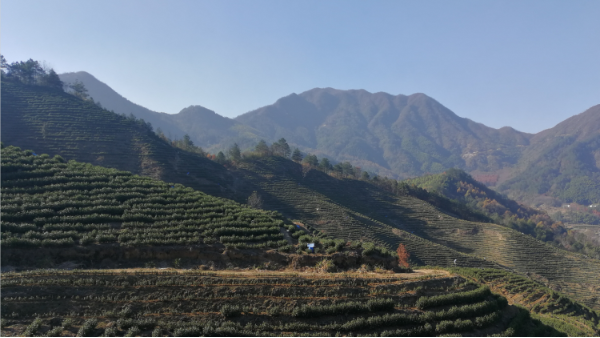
(398, 136)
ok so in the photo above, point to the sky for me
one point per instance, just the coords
(525, 64)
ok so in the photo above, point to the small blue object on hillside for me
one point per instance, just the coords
(34, 154)
(297, 226)
(172, 186)
(311, 246)
(188, 173)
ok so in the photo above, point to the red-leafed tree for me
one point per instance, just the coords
(403, 256)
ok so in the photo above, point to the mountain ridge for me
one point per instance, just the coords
(399, 136)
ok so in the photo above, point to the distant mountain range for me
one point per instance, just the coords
(397, 136)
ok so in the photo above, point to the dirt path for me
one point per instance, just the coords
(417, 274)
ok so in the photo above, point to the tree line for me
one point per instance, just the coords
(36, 73)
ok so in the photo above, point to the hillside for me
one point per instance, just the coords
(57, 123)
(58, 214)
(336, 207)
(360, 210)
(562, 162)
(234, 303)
(406, 136)
(114, 218)
(460, 186)
(114, 101)
(205, 127)
(397, 136)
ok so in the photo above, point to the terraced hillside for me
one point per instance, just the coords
(56, 123)
(340, 208)
(550, 307)
(194, 303)
(356, 209)
(57, 213)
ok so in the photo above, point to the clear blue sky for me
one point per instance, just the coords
(526, 64)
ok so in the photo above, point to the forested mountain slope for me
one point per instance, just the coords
(407, 135)
(563, 162)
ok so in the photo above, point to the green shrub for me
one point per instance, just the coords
(192, 331)
(55, 332)
(133, 331)
(157, 332)
(33, 328)
(453, 298)
(372, 305)
(86, 330)
(229, 311)
(110, 332)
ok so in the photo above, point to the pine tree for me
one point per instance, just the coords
(221, 158)
(297, 155)
(262, 148)
(52, 80)
(235, 153)
(325, 165)
(187, 142)
(79, 90)
(284, 148)
(312, 160)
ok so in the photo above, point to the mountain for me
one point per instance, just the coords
(57, 123)
(205, 127)
(562, 162)
(402, 135)
(114, 101)
(53, 122)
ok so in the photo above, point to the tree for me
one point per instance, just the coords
(325, 165)
(221, 158)
(297, 155)
(403, 256)
(160, 134)
(281, 148)
(79, 90)
(235, 153)
(3, 65)
(262, 148)
(255, 201)
(28, 72)
(347, 169)
(365, 176)
(53, 81)
(311, 159)
(187, 142)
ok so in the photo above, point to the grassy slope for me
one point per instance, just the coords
(347, 208)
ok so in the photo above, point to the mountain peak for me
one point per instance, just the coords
(197, 110)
